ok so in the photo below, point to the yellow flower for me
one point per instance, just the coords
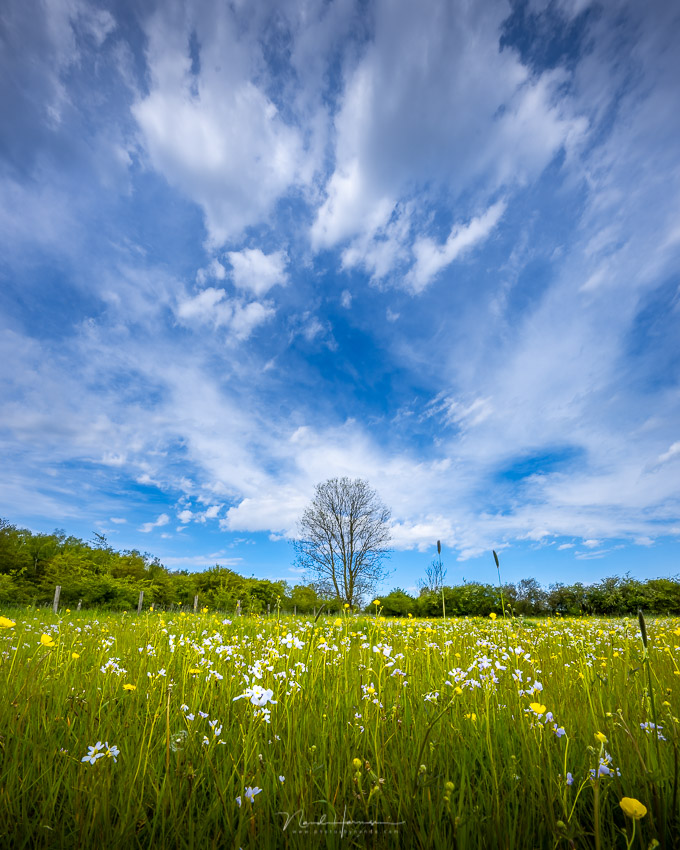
(346, 605)
(370, 690)
(537, 708)
(357, 764)
(6, 623)
(633, 808)
(129, 687)
(204, 610)
(472, 717)
(75, 655)
(458, 690)
(194, 670)
(493, 615)
(601, 738)
(376, 602)
(47, 640)
(338, 622)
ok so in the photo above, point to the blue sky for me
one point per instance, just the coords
(248, 247)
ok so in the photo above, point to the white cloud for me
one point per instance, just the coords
(211, 306)
(198, 562)
(117, 520)
(672, 452)
(346, 299)
(431, 258)
(408, 129)
(258, 272)
(208, 307)
(212, 131)
(162, 520)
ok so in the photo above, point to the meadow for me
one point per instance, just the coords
(204, 730)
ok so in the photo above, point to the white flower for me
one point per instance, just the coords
(112, 752)
(252, 792)
(258, 695)
(282, 779)
(94, 753)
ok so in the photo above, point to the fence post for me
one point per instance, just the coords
(195, 604)
(267, 608)
(80, 605)
(295, 610)
(141, 600)
(315, 612)
(57, 593)
(238, 607)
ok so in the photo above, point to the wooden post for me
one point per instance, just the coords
(238, 607)
(57, 594)
(141, 600)
(195, 604)
(267, 608)
(295, 610)
(315, 612)
(80, 605)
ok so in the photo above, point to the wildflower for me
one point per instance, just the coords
(472, 717)
(650, 727)
(346, 606)
(94, 753)
(570, 779)
(193, 671)
(112, 752)
(601, 738)
(492, 616)
(47, 640)
(6, 623)
(338, 622)
(257, 695)
(282, 779)
(75, 655)
(633, 808)
(129, 687)
(251, 793)
(537, 708)
(357, 764)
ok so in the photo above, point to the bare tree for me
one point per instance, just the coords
(344, 538)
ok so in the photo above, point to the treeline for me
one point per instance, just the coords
(92, 572)
(95, 574)
(614, 596)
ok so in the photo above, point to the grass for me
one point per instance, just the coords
(383, 733)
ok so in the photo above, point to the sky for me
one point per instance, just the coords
(246, 247)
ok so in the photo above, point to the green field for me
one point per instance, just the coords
(204, 731)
